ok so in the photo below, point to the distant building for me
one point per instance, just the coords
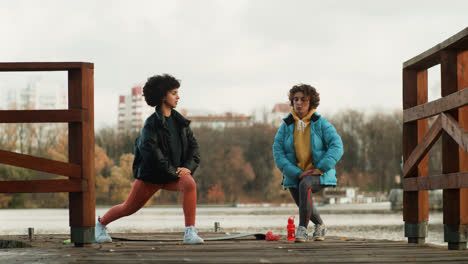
(339, 195)
(279, 112)
(272, 116)
(220, 122)
(37, 95)
(133, 110)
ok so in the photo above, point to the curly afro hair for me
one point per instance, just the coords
(156, 87)
(307, 90)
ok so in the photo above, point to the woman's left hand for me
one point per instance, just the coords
(309, 173)
(182, 171)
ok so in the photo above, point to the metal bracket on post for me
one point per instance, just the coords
(416, 232)
(456, 236)
(82, 236)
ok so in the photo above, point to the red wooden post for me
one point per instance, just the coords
(80, 168)
(452, 123)
(453, 158)
(81, 151)
(416, 209)
(462, 72)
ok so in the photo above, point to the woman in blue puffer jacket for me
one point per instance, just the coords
(306, 149)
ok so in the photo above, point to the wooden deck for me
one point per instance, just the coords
(51, 249)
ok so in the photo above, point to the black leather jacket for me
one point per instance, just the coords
(152, 161)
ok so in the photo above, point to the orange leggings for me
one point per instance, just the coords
(142, 192)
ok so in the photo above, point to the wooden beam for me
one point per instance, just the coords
(443, 181)
(454, 130)
(450, 149)
(431, 56)
(40, 164)
(410, 129)
(42, 116)
(44, 66)
(81, 146)
(415, 204)
(423, 125)
(423, 147)
(450, 102)
(462, 81)
(40, 186)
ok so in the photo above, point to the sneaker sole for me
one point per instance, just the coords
(300, 240)
(194, 243)
(104, 241)
(201, 241)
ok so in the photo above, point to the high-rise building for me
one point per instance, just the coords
(37, 95)
(133, 110)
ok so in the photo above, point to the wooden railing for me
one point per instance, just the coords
(80, 168)
(451, 125)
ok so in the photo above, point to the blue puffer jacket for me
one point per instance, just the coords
(325, 144)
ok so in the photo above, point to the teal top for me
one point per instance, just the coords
(325, 145)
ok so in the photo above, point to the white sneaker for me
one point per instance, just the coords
(191, 236)
(319, 233)
(301, 234)
(100, 233)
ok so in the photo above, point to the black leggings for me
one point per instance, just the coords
(303, 198)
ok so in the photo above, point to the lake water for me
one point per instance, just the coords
(360, 221)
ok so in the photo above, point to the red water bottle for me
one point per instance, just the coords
(291, 229)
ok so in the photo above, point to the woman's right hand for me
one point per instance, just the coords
(182, 171)
(308, 173)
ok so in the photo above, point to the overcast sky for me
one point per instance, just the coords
(234, 55)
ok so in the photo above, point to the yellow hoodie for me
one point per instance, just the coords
(302, 141)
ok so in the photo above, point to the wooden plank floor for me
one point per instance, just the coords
(51, 249)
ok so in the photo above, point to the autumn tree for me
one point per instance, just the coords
(237, 173)
(102, 165)
(258, 151)
(115, 143)
(208, 172)
(121, 179)
(383, 148)
(5, 200)
(275, 190)
(8, 137)
(15, 173)
(350, 124)
(216, 193)
(59, 151)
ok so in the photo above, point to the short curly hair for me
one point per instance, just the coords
(156, 87)
(307, 90)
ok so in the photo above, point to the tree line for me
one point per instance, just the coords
(236, 163)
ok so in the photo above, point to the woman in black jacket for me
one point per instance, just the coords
(166, 156)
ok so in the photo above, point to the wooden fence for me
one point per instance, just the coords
(451, 124)
(80, 168)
